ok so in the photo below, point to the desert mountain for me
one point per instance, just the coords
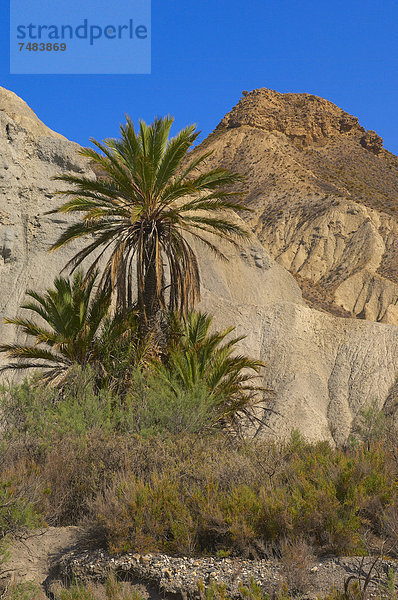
(323, 369)
(324, 194)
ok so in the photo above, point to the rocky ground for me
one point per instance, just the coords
(53, 556)
(182, 576)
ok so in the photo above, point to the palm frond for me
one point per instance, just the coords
(139, 210)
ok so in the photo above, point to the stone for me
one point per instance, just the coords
(324, 196)
(372, 142)
(166, 573)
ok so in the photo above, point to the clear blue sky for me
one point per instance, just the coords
(205, 53)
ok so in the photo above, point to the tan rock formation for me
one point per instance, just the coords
(21, 114)
(325, 198)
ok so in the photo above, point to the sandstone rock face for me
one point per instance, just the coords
(373, 142)
(21, 114)
(325, 198)
(323, 369)
(30, 154)
(304, 118)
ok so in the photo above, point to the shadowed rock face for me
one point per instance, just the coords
(323, 369)
(325, 198)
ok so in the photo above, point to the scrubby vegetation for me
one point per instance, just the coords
(172, 483)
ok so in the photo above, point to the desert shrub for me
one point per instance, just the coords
(20, 494)
(327, 495)
(24, 591)
(74, 470)
(217, 591)
(324, 496)
(155, 512)
(17, 504)
(44, 414)
(156, 407)
(371, 426)
(297, 558)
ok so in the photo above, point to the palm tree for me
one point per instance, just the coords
(197, 357)
(76, 330)
(139, 210)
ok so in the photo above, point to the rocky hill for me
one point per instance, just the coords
(325, 197)
(339, 241)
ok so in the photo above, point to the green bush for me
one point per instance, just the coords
(24, 591)
(17, 510)
(45, 414)
(154, 407)
(20, 495)
(327, 497)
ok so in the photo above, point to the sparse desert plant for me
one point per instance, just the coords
(157, 408)
(46, 414)
(370, 426)
(297, 558)
(111, 590)
(20, 495)
(23, 591)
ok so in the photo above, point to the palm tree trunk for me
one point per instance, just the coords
(151, 302)
(153, 316)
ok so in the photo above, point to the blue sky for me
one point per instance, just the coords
(205, 53)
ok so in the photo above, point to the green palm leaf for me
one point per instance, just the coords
(198, 356)
(76, 328)
(148, 196)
